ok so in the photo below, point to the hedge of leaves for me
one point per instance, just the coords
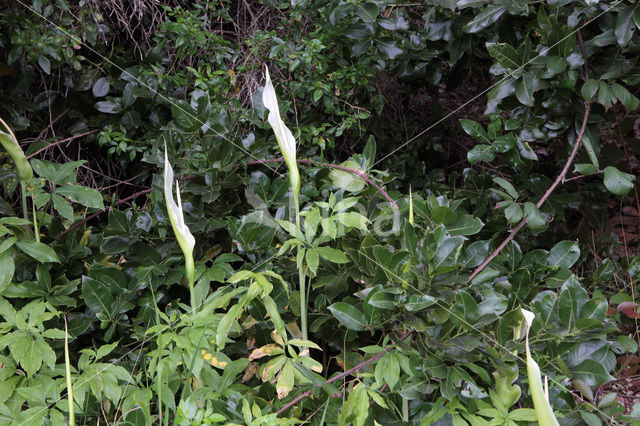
(413, 271)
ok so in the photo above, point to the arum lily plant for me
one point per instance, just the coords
(180, 229)
(540, 395)
(287, 144)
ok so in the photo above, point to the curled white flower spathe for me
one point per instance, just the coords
(176, 216)
(539, 394)
(286, 141)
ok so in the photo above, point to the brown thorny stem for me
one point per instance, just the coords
(559, 178)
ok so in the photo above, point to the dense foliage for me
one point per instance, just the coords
(459, 161)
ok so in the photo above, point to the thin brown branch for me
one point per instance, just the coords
(334, 166)
(91, 216)
(69, 139)
(339, 376)
(559, 179)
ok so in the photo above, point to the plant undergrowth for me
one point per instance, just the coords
(318, 262)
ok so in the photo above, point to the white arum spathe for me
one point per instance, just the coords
(176, 216)
(286, 141)
(539, 394)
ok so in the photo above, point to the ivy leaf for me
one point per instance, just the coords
(618, 182)
(488, 16)
(349, 316)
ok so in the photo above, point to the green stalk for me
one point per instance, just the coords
(67, 364)
(24, 171)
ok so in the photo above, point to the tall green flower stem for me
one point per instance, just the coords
(287, 145)
(185, 239)
(24, 171)
(539, 394)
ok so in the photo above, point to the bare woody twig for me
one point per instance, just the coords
(69, 139)
(338, 167)
(340, 376)
(88, 218)
(559, 179)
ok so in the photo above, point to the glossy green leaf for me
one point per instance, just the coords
(586, 169)
(389, 48)
(589, 89)
(465, 225)
(388, 370)
(625, 25)
(505, 54)
(606, 97)
(533, 215)
(97, 296)
(475, 130)
(513, 213)
(488, 16)
(349, 316)
(618, 182)
(629, 101)
(481, 153)
(368, 11)
(88, 197)
(100, 88)
(564, 254)
(7, 269)
(39, 251)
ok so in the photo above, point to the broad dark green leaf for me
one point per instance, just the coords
(465, 225)
(505, 54)
(618, 182)
(388, 370)
(481, 153)
(44, 63)
(7, 269)
(100, 88)
(39, 251)
(109, 107)
(591, 373)
(185, 116)
(589, 89)
(564, 254)
(629, 101)
(606, 97)
(475, 130)
(389, 48)
(526, 87)
(625, 25)
(368, 11)
(332, 255)
(97, 296)
(349, 316)
(533, 215)
(88, 197)
(488, 16)
(513, 213)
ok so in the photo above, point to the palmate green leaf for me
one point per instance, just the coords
(487, 17)
(349, 316)
(39, 251)
(564, 254)
(618, 182)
